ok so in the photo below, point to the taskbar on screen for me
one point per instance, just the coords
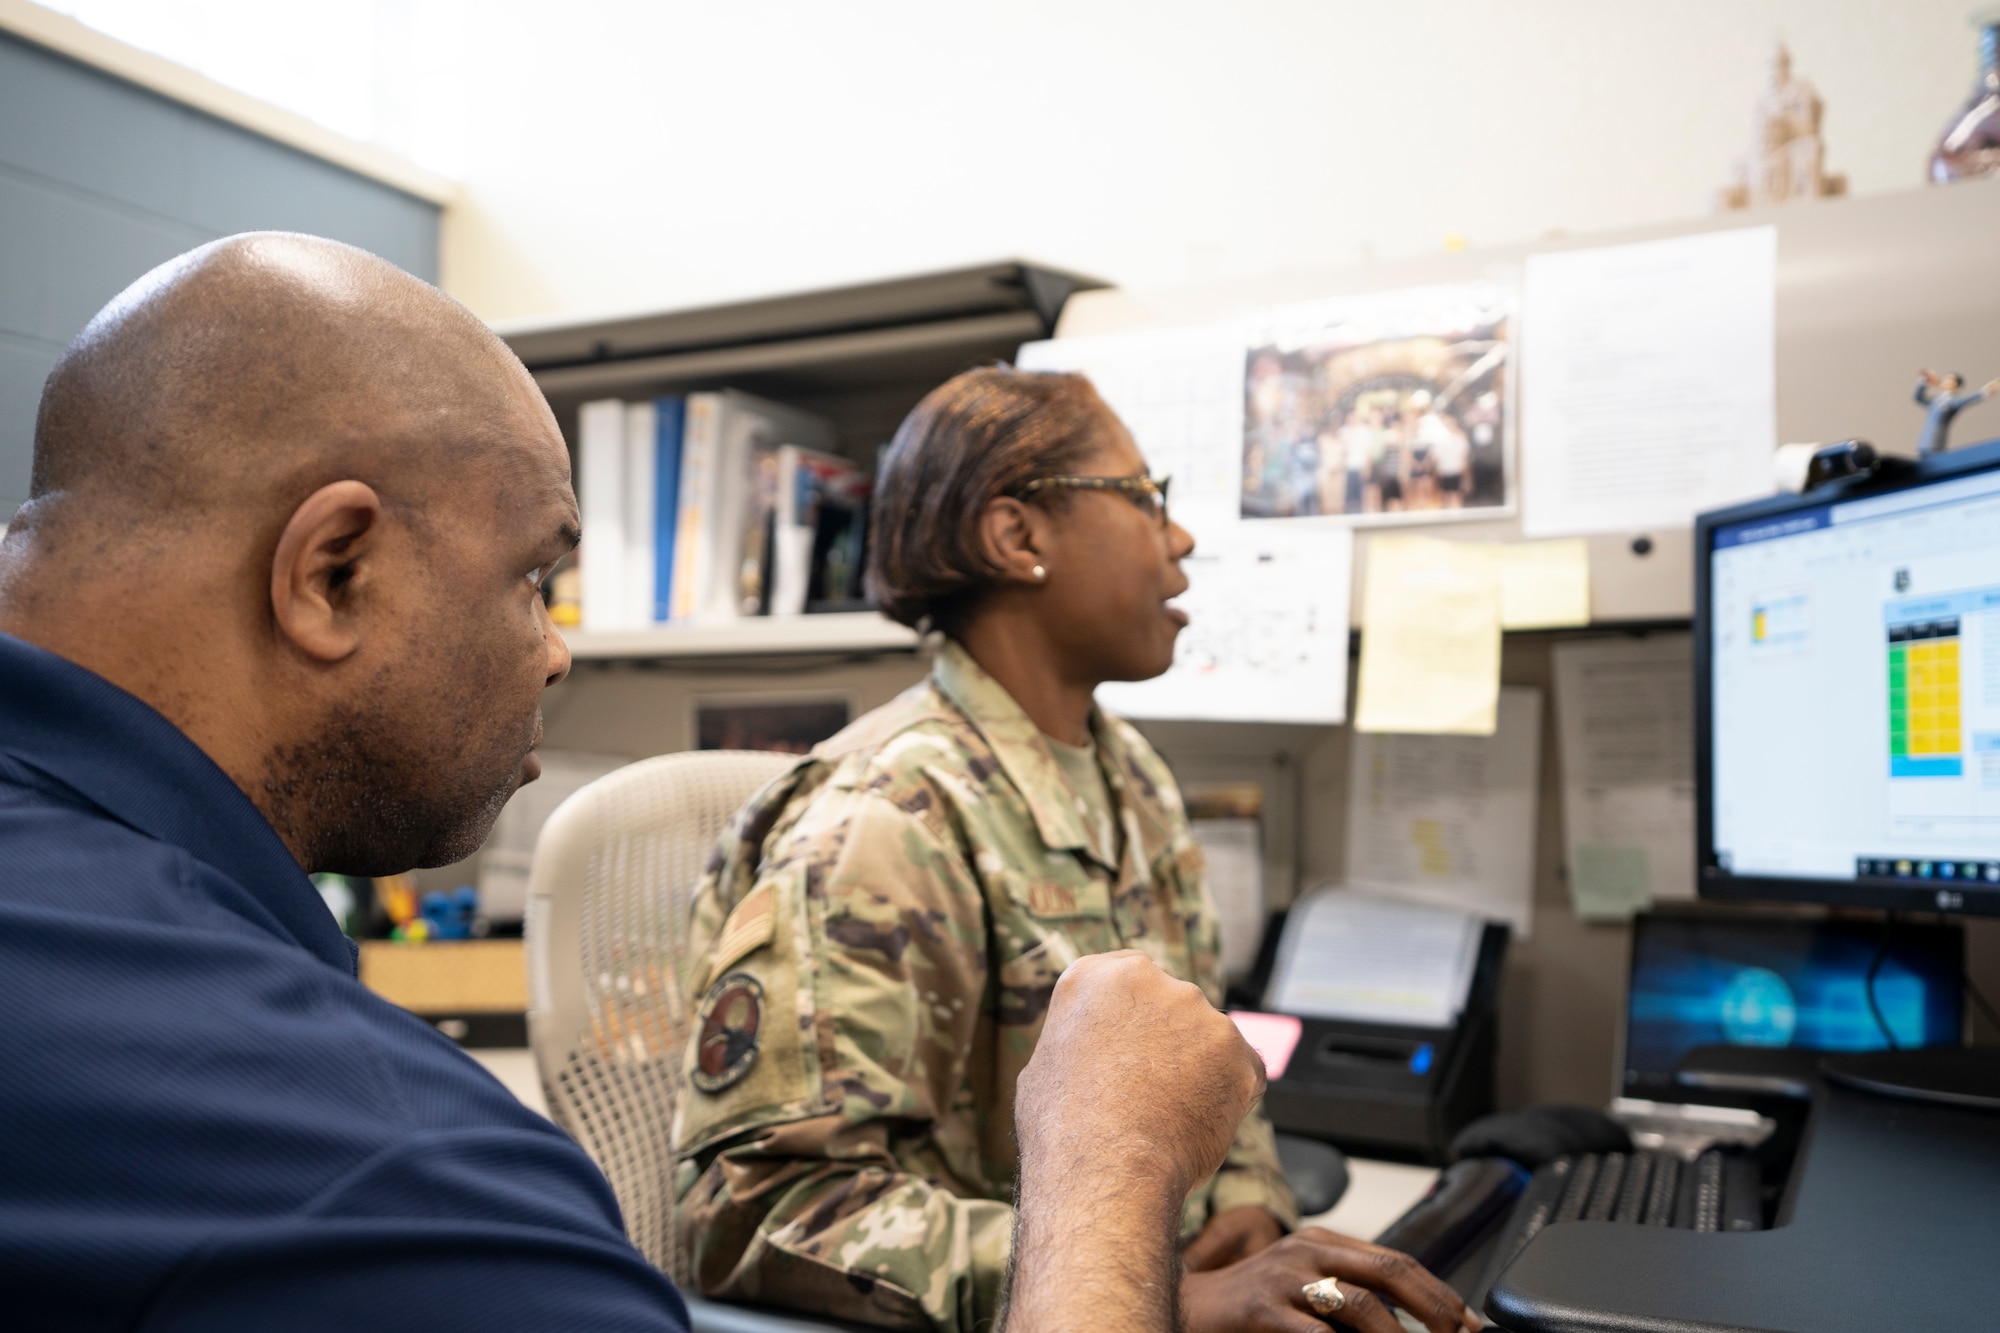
(1917, 870)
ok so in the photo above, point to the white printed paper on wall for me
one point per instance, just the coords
(1267, 603)
(1180, 393)
(1266, 639)
(1648, 381)
(1450, 820)
(1625, 716)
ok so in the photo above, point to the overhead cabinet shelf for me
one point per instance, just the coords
(877, 353)
(860, 356)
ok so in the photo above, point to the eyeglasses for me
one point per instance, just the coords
(1149, 494)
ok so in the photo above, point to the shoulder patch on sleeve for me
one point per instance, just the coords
(751, 925)
(749, 1055)
(728, 1032)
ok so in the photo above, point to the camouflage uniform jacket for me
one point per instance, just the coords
(900, 905)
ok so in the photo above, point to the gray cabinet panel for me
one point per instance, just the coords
(80, 128)
(100, 180)
(85, 250)
(23, 367)
(239, 182)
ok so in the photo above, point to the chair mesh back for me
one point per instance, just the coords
(608, 900)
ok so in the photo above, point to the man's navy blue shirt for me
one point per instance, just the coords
(206, 1121)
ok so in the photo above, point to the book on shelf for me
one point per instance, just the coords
(822, 527)
(637, 490)
(670, 421)
(628, 482)
(714, 507)
(600, 478)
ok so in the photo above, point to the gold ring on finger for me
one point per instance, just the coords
(1325, 1297)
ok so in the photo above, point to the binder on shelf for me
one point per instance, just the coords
(743, 435)
(699, 443)
(600, 450)
(639, 491)
(671, 413)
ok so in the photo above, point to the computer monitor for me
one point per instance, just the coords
(1847, 713)
(1706, 978)
(1847, 691)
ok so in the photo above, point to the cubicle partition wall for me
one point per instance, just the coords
(1869, 290)
(101, 179)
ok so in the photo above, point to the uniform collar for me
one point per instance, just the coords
(1019, 746)
(117, 752)
(1148, 801)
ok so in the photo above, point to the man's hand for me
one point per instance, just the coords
(1265, 1293)
(1231, 1236)
(1131, 1099)
(1132, 1059)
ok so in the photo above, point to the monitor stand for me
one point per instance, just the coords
(1949, 1075)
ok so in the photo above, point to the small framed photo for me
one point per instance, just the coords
(1394, 407)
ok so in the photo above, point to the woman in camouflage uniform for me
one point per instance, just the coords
(877, 937)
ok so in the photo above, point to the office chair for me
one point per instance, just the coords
(608, 901)
(607, 916)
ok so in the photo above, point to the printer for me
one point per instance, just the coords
(1385, 1018)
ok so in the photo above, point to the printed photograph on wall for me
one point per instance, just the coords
(1391, 407)
(785, 725)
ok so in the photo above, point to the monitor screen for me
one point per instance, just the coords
(1848, 693)
(1729, 980)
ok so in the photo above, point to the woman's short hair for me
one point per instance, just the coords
(976, 437)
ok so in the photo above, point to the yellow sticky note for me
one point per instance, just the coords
(1430, 638)
(1544, 584)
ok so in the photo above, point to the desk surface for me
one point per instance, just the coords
(1377, 1194)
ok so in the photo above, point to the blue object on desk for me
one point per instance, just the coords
(450, 914)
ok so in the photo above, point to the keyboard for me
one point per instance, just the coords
(1717, 1191)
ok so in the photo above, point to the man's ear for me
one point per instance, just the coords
(1014, 538)
(322, 554)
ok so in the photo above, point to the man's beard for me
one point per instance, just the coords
(372, 795)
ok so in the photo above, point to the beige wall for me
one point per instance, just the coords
(625, 155)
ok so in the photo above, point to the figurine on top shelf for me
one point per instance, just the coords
(1787, 155)
(1941, 400)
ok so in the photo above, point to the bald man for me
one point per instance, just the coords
(272, 608)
